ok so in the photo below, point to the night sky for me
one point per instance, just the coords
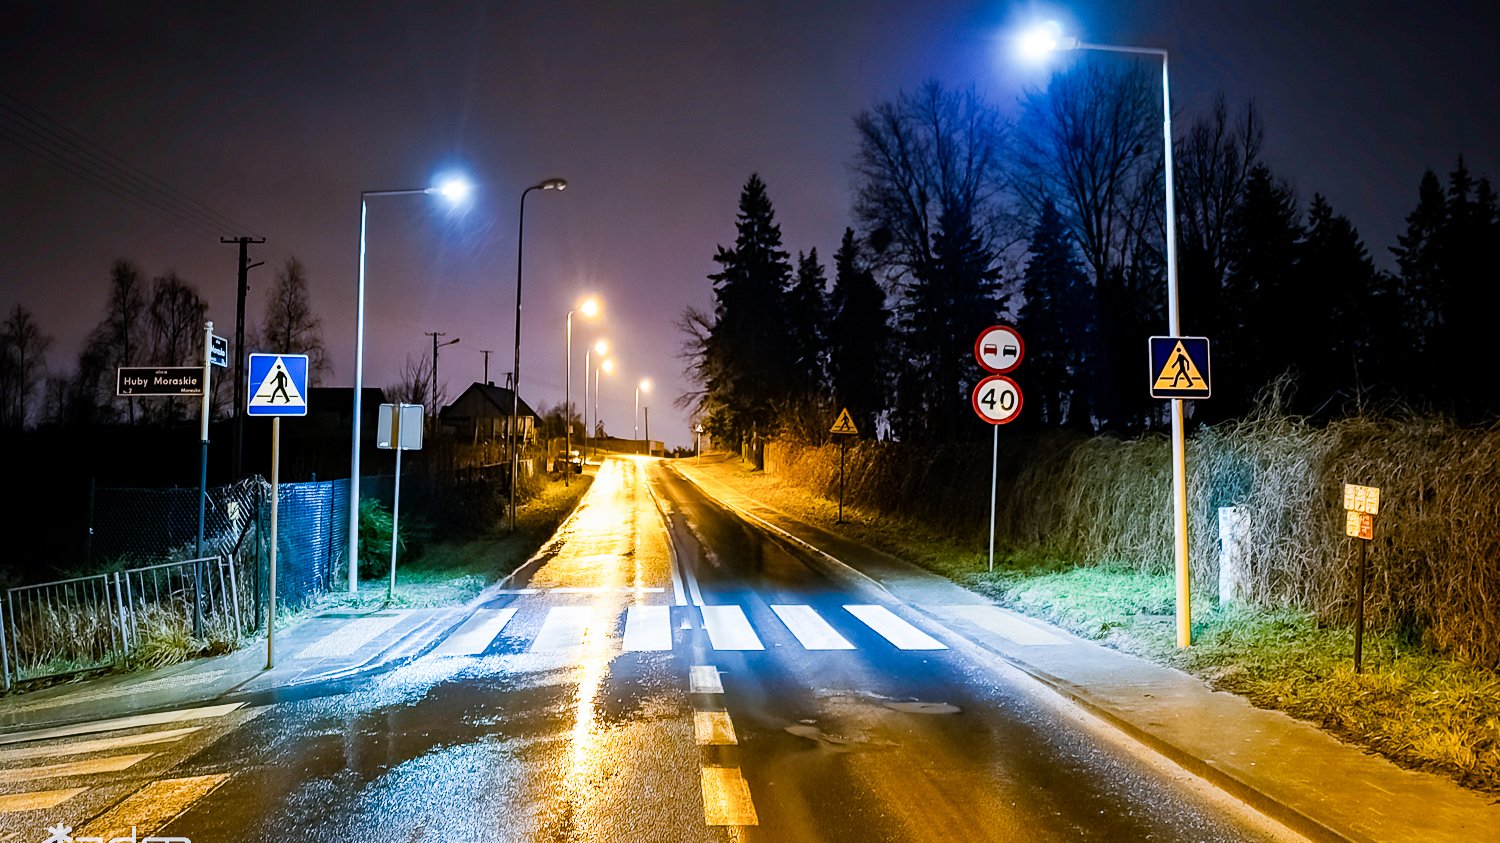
(276, 115)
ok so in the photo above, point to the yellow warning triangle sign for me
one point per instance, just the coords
(1180, 372)
(845, 424)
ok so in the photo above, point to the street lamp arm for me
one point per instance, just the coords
(1118, 48)
(406, 192)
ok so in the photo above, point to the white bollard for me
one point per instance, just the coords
(1234, 555)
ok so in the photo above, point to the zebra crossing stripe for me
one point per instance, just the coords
(351, 636)
(894, 629)
(87, 767)
(151, 807)
(810, 628)
(93, 727)
(477, 632)
(648, 628)
(729, 629)
(36, 800)
(101, 745)
(564, 628)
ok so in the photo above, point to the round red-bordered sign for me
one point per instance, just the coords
(997, 399)
(999, 349)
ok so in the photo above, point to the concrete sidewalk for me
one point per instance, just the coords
(330, 645)
(1286, 768)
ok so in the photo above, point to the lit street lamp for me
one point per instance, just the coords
(589, 308)
(601, 347)
(515, 395)
(1037, 43)
(635, 419)
(455, 191)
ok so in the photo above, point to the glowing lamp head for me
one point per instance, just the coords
(608, 366)
(455, 190)
(645, 384)
(1036, 43)
(554, 184)
(601, 347)
(589, 308)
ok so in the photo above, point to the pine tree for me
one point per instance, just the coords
(1335, 277)
(746, 360)
(859, 337)
(807, 328)
(1057, 320)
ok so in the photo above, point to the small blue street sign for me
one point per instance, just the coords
(278, 385)
(1179, 367)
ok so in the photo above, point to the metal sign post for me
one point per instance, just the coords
(997, 399)
(843, 428)
(208, 368)
(1361, 503)
(400, 429)
(1179, 370)
(278, 387)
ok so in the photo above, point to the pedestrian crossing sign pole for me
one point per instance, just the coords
(843, 426)
(278, 387)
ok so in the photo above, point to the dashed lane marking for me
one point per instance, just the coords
(704, 679)
(726, 797)
(713, 728)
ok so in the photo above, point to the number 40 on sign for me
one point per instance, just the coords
(997, 399)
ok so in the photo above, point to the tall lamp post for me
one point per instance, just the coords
(589, 308)
(606, 367)
(435, 346)
(455, 191)
(601, 347)
(1048, 38)
(515, 395)
(636, 419)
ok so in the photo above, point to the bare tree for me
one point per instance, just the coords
(415, 386)
(290, 326)
(1217, 157)
(174, 321)
(23, 350)
(118, 340)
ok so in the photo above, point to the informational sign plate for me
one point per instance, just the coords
(218, 351)
(1359, 525)
(411, 426)
(845, 423)
(1362, 498)
(997, 399)
(999, 349)
(1179, 367)
(141, 381)
(278, 385)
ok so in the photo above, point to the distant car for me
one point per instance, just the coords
(568, 458)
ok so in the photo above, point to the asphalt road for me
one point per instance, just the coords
(740, 692)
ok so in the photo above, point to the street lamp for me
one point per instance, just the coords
(601, 347)
(515, 395)
(606, 367)
(435, 346)
(455, 191)
(1037, 43)
(635, 419)
(589, 308)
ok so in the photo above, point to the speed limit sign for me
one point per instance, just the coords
(997, 399)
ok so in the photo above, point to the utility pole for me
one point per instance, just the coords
(486, 352)
(435, 346)
(237, 400)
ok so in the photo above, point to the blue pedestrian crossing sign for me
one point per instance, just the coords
(1179, 367)
(278, 385)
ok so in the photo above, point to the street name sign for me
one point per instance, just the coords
(170, 381)
(278, 385)
(1179, 367)
(218, 351)
(999, 349)
(997, 399)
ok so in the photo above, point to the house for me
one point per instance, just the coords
(481, 416)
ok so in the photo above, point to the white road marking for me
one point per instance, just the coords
(601, 589)
(153, 806)
(36, 800)
(87, 767)
(350, 636)
(713, 728)
(93, 727)
(704, 679)
(477, 632)
(996, 620)
(729, 629)
(648, 628)
(100, 745)
(894, 629)
(564, 628)
(810, 628)
(726, 797)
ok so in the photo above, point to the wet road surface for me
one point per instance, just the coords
(665, 672)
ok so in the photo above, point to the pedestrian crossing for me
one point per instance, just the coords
(47, 774)
(647, 628)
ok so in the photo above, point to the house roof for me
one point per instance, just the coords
(497, 396)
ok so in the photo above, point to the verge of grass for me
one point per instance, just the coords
(1418, 709)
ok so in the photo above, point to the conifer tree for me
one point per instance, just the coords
(859, 338)
(807, 328)
(1058, 321)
